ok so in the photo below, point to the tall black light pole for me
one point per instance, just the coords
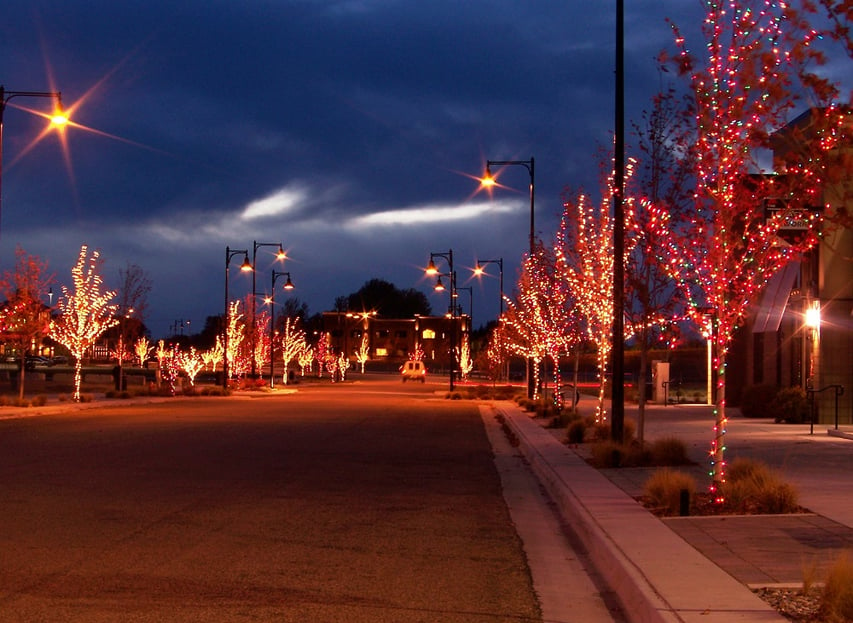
(58, 118)
(479, 270)
(281, 255)
(451, 274)
(618, 360)
(470, 291)
(288, 285)
(489, 180)
(245, 267)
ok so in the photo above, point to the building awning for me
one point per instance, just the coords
(774, 299)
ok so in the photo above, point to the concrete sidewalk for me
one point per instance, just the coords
(699, 568)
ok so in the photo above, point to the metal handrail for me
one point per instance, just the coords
(839, 391)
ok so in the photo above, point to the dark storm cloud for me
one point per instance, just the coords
(343, 129)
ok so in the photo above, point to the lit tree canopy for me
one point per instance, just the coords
(85, 313)
(755, 70)
(24, 318)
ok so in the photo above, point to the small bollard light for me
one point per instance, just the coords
(684, 503)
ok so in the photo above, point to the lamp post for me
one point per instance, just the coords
(470, 306)
(280, 255)
(617, 353)
(451, 274)
(57, 119)
(288, 285)
(120, 348)
(479, 270)
(245, 267)
(489, 180)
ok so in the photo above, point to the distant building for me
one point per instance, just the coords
(391, 341)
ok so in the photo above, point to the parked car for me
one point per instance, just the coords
(59, 360)
(32, 361)
(413, 371)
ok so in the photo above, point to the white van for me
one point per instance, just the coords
(413, 370)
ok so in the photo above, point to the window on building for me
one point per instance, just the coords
(381, 352)
(428, 334)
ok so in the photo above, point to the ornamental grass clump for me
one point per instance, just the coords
(668, 451)
(664, 490)
(837, 599)
(753, 487)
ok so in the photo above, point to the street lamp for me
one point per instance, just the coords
(288, 285)
(58, 117)
(432, 269)
(479, 270)
(280, 255)
(471, 305)
(245, 267)
(489, 180)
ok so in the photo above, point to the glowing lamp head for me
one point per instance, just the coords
(488, 180)
(288, 285)
(58, 118)
(478, 269)
(813, 316)
(246, 266)
(431, 268)
(281, 255)
(439, 287)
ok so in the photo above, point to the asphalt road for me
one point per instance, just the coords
(338, 503)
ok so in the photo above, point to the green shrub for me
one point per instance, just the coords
(664, 489)
(668, 451)
(40, 400)
(756, 399)
(837, 599)
(752, 487)
(790, 405)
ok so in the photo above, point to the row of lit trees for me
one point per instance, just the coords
(710, 250)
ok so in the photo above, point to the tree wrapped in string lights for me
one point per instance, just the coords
(214, 355)
(362, 353)
(585, 256)
(190, 362)
(84, 313)
(262, 352)
(306, 359)
(754, 70)
(292, 344)
(142, 349)
(322, 351)
(24, 318)
(236, 327)
(463, 357)
(534, 321)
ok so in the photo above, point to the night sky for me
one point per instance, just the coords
(350, 130)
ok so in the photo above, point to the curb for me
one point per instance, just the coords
(657, 576)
